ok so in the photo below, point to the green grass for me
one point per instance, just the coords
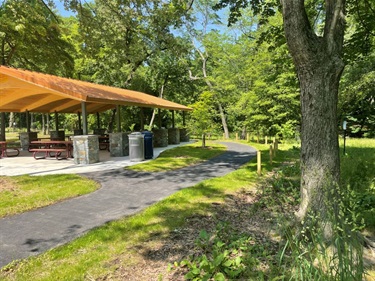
(23, 193)
(92, 255)
(180, 157)
(358, 174)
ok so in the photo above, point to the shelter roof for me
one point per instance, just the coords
(22, 90)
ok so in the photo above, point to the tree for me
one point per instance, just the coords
(316, 46)
(202, 118)
(206, 38)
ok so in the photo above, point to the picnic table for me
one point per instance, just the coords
(8, 151)
(51, 148)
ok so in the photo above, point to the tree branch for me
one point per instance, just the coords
(191, 77)
(334, 25)
(298, 32)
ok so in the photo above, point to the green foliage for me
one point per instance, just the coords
(201, 120)
(32, 38)
(224, 255)
(357, 97)
(327, 248)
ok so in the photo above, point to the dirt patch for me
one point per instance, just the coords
(155, 258)
(7, 184)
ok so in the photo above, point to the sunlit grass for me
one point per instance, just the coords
(116, 244)
(92, 255)
(180, 157)
(23, 193)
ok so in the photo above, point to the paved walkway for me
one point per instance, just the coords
(123, 193)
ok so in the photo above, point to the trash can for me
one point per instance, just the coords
(149, 147)
(136, 147)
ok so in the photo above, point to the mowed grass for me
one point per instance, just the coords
(180, 157)
(24, 193)
(98, 253)
(358, 172)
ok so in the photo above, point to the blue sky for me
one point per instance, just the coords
(60, 7)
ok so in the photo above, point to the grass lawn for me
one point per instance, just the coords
(24, 193)
(140, 247)
(180, 157)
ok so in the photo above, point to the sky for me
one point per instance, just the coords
(60, 7)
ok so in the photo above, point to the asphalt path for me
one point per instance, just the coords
(122, 193)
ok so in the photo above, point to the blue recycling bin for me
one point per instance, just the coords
(148, 143)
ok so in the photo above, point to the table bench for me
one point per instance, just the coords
(47, 152)
(51, 149)
(8, 151)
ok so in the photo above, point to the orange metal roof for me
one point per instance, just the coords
(22, 90)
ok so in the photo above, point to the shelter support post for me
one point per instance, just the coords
(98, 120)
(2, 130)
(27, 121)
(173, 124)
(56, 121)
(79, 121)
(183, 119)
(118, 118)
(84, 116)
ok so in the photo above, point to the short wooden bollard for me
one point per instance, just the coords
(236, 136)
(247, 137)
(266, 140)
(259, 163)
(271, 154)
(274, 148)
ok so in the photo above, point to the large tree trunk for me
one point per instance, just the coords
(320, 162)
(319, 65)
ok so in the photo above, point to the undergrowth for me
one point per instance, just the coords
(306, 251)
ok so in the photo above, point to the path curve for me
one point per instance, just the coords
(123, 193)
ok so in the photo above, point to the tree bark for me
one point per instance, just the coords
(319, 65)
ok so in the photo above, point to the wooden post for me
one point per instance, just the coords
(236, 136)
(79, 120)
(98, 120)
(2, 130)
(266, 141)
(118, 117)
(84, 118)
(27, 121)
(247, 137)
(259, 163)
(271, 154)
(56, 121)
(173, 124)
(274, 148)
(183, 119)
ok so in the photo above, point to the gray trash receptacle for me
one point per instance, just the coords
(149, 147)
(136, 147)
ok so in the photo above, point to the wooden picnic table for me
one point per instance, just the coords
(51, 148)
(4, 150)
